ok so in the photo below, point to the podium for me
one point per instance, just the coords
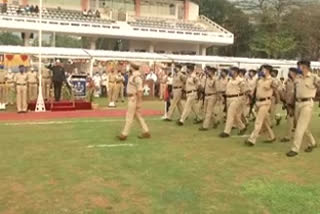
(79, 86)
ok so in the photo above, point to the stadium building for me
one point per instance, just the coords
(160, 26)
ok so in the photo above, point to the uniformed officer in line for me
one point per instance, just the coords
(220, 107)
(10, 87)
(245, 99)
(274, 117)
(112, 78)
(306, 86)
(32, 84)
(287, 96)
(46, 82)
(2, 88)
(210, 93)
(191, 87)
(135, 93)
(21, 81)
(266, 87)
(236, 90)
(178, 81)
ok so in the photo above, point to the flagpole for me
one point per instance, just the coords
(40, 107)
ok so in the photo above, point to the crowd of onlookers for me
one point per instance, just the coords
(91, 13)
(28, 8)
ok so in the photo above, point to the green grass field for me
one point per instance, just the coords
(49, 169)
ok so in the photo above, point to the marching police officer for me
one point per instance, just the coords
(177, 84)
(210, 93)
(266, 86)
(32, 85)
(288, 99)
(306, 85)
(192, 84)
(2, 88)
(236, 89)
(134, 93)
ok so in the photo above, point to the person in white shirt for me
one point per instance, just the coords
(152, 76)
(104, 84)
(97, 83)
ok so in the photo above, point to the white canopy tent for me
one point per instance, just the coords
(72, 53)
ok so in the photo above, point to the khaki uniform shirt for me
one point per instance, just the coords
(178, 79)
(163, 79)
(222, 84)
(10, 78)
(32, 77)
(211, 85)
(21, 79)
(252, 84)
(265, 89)
(288, 92)
(192, 82)
(306, 87)
(46, 73)
(112, 78)
(135, 83)
(120, 78)
(2, 77)
(236, 86)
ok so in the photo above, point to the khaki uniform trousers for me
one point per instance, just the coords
(290, 123)
(32, 91)
(46, 83)
(234, 114)
(121, 94)
(273, 110)
(219, 109)
(10, 93)
(303, 114)
(162, 90)
(2, 93)
(22, 98)
(262, 121)
(134, 112)
(175, 103)
(117, 90)
(209, 103)
(112, 92)
(191, 105)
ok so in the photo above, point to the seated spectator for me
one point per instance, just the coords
(90, 13)
(98, 15)
(20, 10)
(36, 9)
(84, 12)
(31, 8)
(27, 8)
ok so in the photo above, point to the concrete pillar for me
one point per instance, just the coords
(53, 40)
(93, 43)
(186, 9)
(85, 4)
(24, 2)
(26, 39)
(198, 49)
(138, 7)
(151, 47)
(203, 51)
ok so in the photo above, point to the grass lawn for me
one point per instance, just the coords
(49, 169)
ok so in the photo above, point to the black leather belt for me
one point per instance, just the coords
(234, 95)
(207, 95)
(263, 99)
(177, 87)
(189, 92)
(301, 100)
(2, 82)
(111, 82)
(21, 84)
(32, 83)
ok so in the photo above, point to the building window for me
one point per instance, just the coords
(172, 10)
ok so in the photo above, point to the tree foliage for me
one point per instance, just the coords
(7, 38)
